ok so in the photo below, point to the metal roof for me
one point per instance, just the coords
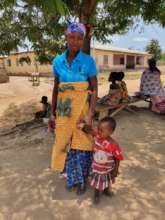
(120, 50)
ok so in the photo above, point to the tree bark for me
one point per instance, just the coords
(86, 12)
(87, 44)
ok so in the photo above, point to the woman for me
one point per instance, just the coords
(151, 86)
(117, 91)
(74, 72)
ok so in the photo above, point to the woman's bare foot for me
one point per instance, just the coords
(81, 189)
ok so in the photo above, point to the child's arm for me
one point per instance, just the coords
(89, 130)
(86, 128)
(117, 155)
(116, 168)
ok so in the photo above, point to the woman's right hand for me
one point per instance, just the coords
(51, 123)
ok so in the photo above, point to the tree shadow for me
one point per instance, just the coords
(30, 190)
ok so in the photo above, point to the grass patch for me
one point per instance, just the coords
(103, 77)
(132, 76)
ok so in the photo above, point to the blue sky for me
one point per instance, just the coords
(138, 38)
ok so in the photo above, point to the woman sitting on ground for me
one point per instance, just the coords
(151, 86)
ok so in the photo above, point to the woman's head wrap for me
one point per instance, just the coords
(76, 27)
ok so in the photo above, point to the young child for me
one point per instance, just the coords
(106, 157)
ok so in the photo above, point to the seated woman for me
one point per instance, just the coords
(123, 86)
(117, 92)
(151, 86)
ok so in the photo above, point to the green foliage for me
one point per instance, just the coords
(31, 22)
(154, 48)
(40, 24)
(163, 56)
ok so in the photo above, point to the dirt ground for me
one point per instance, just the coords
(29, 190)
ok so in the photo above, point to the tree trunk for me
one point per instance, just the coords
(86, 12)
(87, 44)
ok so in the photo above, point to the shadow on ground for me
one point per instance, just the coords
(29, 190)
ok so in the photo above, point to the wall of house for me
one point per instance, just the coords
(111, 60)
(3, 74)
(13, 66)
(105, 61)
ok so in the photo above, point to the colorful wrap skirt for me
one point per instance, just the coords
(72, 106)
(77, 167)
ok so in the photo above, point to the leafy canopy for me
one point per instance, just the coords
(41, 24)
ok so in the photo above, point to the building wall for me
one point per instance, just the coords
(13, 65)
(114, 59)
(3, 74)
(105, 60)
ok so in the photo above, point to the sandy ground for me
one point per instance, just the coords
(29, 190)
(20, 91)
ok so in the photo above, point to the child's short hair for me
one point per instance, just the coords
(111, 121)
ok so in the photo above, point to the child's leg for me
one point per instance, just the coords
(108, 192)
(108, 183)
(96, 198)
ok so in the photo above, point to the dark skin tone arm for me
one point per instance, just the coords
(54, 95)
(87, 129)
(54, 104)
(116, 168)
(93, 99)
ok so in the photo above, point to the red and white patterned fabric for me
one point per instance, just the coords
(103, 163)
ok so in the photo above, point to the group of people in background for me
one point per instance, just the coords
(150, 87)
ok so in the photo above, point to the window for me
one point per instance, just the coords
(118, 59)
(105, 60)
(122, 60)
(9, 62)
(138, 60)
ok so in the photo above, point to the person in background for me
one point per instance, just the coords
(152, 87)
(46, 109)
(122, 86)
(117, 91)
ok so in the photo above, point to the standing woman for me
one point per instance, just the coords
(75, 73)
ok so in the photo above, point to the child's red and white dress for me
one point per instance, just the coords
(103, 163)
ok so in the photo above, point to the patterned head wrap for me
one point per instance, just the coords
(76, 27)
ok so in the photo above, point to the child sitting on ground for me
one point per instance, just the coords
(46, 109)
(106, 156)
